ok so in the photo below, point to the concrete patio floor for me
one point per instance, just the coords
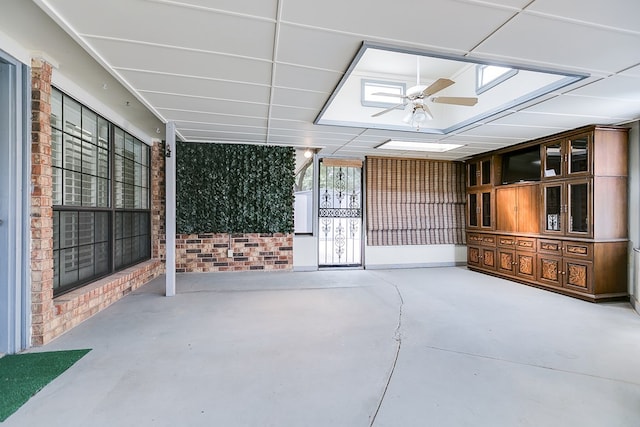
(416, 347)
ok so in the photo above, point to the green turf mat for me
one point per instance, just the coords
(23, 375)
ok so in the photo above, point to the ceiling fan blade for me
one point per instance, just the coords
(455, 100)
(437, 86)
(379, 113)
(395, 95)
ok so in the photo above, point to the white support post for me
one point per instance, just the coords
(170, 200)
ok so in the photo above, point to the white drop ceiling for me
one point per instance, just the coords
(261, 71)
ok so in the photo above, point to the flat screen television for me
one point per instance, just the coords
(522, 165)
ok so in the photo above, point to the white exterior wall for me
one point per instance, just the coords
(378, 257)
(305, 253)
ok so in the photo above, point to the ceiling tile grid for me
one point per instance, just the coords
(262, 71)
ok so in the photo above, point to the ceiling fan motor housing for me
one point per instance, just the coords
(415, 92)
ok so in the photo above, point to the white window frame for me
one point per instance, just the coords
(482, 86)
(381, 86)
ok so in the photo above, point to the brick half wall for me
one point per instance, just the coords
(76, 306)
(251, 252)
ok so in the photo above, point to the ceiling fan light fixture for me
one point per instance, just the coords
(419, 116)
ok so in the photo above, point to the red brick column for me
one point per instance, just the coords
(41, 205)
(158, 204)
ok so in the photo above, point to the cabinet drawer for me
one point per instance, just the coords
(550, 246)
(488, 240)
(526, 244)
(577, 250)
(481, 239)
(474, 239)
(506, 241)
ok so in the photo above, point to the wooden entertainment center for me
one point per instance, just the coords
(552, 213)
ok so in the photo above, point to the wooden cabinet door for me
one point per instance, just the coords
(506, 202)
(506, 263)
(550, 270)
(528, 209)
(578, 275)
(473, 256)
(526, 265)
(518, 209)
(488, 258)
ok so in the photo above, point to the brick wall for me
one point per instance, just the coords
(51, 317)
(251, 251)
(78, 305)
(158, 210)
(41, 204)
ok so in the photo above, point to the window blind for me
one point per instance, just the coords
(414, 202)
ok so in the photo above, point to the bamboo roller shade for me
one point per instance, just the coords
(415, 202)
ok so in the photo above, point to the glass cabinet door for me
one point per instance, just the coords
(479, 173)
(473, 174)
(473, 208)
(552, 158)
(485, 168)
(578, 195)
(578, 155)
(552, 199)
(486, 209)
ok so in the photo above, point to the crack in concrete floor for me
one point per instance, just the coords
(398, 339)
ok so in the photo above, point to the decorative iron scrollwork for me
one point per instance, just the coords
(340, 215)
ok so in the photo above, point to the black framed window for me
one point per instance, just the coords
(100, 178)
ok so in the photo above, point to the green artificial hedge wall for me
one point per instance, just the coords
(223, 188)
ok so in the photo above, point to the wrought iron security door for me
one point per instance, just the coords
(340, 215)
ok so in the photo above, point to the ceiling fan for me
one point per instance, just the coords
(419, 94)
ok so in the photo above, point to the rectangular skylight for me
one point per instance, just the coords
(370, 87)
(488, 76)
(433, 147)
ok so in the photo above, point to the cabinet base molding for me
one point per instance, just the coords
(610, 297)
